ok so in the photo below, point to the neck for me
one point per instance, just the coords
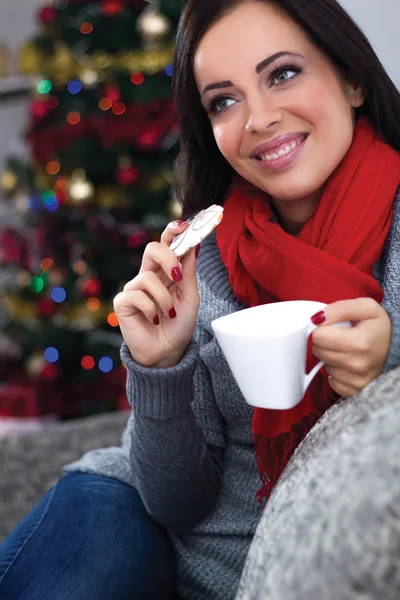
(293, 214)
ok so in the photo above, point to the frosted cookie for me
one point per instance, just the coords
(199, 228)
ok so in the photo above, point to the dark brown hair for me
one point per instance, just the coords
(202, 174)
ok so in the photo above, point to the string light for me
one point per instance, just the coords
(53, 167)
(137, 78)
(51, 354)
(169, 70)
(44, 86)
(112, 320)
(105, 104)
(47, 264)
(87, 362)
(58, 294)
(79, 267)
(119, 108)
(74, 86)
(106, 364)
(52, 102)
(86, 28)
(93, 304)
(37, 285)
(73, 118)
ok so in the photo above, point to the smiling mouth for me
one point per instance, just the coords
(283, 150)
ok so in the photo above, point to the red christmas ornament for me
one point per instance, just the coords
(128, 175)
(113, 93)
(50, 372)
(46, 308)
(149, 139)
(47, 15)
(39, 110)
(112, 7)
(91, 287)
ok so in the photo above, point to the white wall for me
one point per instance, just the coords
(380, 20)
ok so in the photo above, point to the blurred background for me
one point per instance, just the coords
(87, 144)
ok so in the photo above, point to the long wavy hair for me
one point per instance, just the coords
(202, 175)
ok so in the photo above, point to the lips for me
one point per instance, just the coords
(282, 141)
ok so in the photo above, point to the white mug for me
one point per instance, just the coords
(266, 349)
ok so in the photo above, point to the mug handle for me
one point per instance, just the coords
(308, 377)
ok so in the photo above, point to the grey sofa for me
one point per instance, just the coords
(31, 463)
(331, 530)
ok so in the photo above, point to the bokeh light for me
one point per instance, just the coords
(58, 294)
(112, 320)
(87, 362)
(51, 354)
(74, 86)
(106, 364)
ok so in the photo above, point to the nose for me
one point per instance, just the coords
(263, 113)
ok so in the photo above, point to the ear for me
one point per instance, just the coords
(357, 96)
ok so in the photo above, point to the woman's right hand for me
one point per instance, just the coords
(147, 306)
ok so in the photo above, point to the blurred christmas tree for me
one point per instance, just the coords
(94, 192)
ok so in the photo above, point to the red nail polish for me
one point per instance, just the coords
(156, 320)
(197, 251)
(318, 318)
(176, 274)
(172, 313)
(178, 223)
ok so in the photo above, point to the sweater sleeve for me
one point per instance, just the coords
(177, 438)
(393, 358)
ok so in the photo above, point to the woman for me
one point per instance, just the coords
(288, 118)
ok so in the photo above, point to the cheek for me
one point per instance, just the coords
(228, 140)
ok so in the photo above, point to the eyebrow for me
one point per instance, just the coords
(260, 67)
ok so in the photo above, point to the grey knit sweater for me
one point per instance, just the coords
(188, 447)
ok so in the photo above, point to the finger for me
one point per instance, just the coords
(343, 390)
(150, 283)
(127, 304)
(158, 256)
(352, 381)
(337, 339)
(173, 229)
(355, 310)
(330, 357)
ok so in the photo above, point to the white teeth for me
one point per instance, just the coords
(282, 151)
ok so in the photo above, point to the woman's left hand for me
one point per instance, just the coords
(353, 357)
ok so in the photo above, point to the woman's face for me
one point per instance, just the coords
(280, 115)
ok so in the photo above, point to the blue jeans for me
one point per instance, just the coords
(89, 538)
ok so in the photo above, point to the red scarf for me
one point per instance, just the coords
(330, 260)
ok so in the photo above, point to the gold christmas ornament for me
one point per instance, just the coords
(81, 190)
(174, 208)
(35, 364)
(89, 77)
(8, 182)
(152, 26)
(110, 196)
(30, 59)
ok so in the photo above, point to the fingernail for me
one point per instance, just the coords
(318, 318)
(172, 313)
(178, 223)
(156, 320)
(176, 274)
(197, 251)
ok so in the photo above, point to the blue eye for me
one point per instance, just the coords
(284, 74)
(219, 104)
